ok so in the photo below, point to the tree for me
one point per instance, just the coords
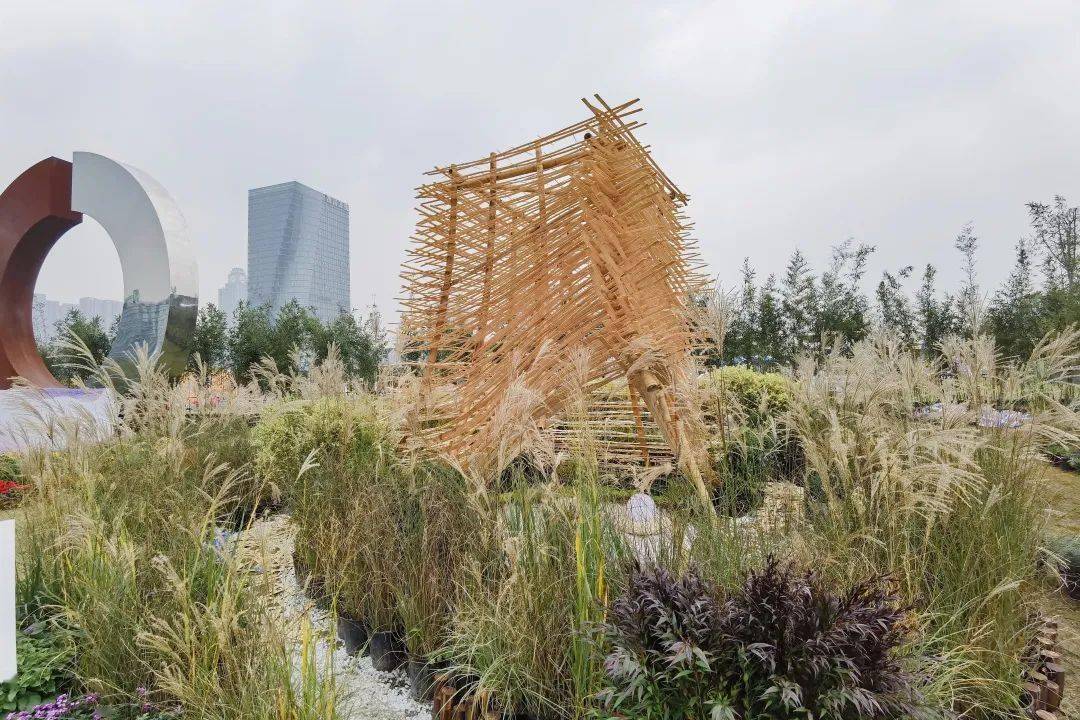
(969, 306)
(295, 328)
(362, 346)
(1055, 227)
(75, 326)
(770, 335)
(1013, 317)
(250, 340)
(935, 317)
(798, 302)
(843, 308)
(211, 339)
(741, 342)
(295, 339)
(894, 310)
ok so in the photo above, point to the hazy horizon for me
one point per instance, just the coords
(789, 124)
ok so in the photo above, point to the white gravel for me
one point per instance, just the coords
(366, 694)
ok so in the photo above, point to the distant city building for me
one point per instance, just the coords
(234, 292)
(49, 312)
(298, 249)
(107, 310)
(46, 314)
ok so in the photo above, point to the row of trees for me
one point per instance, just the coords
(293, 338)
(772, 323)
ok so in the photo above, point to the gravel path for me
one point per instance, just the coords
(367, 694)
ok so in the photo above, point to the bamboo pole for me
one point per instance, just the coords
(588, 205)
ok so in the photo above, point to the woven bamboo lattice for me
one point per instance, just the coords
(527, 260)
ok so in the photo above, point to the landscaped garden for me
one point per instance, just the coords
(877, 546)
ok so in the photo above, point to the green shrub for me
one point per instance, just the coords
(9, 468)
(44, 659)
(760, 395)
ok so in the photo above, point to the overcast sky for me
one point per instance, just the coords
(789, 124)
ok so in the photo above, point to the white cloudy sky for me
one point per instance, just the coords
(790, 124)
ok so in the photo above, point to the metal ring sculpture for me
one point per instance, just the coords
(151, 238)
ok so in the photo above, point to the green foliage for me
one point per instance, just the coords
(75, 326)
(210, 342)
(936, 316)
(256, 335)
(44, 660)
(362, 347)
(140, 584)
(1056, 235)
(294, 339)
(894, 307)
(761, 395)
(775, 323)
(801, 313)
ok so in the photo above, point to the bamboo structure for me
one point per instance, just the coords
(573, 242)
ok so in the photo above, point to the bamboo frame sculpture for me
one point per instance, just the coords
(524, 262)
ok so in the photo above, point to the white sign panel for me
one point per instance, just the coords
(7, 599)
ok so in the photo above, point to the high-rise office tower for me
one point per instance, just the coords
(298, 249)
(234, 292)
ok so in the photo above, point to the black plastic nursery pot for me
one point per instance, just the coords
(387, 651)
(353, 633)
(422, 679)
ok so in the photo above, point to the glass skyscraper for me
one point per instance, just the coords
(234, 292)
(298, 249)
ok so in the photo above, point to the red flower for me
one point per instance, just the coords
(10, 486)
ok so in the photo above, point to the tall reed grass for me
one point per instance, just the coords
(118, 546)
(923, 493)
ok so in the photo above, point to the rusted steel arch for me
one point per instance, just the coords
(35, 211)
(161, 294)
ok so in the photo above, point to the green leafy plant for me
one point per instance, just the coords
(44, 660)
(9, 468)
(760, 394)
